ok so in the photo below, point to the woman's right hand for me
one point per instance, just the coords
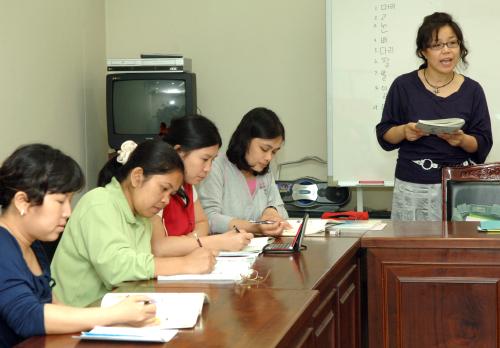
(134, 311)
(200, 260)
(412, 133)
(235, 241)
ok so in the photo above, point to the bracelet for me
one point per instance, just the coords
(272, 207)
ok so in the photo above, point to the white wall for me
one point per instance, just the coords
(52, 64)
(245, 54)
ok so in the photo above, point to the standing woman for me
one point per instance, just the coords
(37, 184)
(197, 141)
(240, 186)
(434, 91)
(108, 239)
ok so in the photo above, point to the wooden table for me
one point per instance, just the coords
(237, 317)
(309, 299)
(433, 285)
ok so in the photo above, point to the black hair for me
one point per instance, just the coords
(428, 34)
(153, 156)
(193, 132)
(257, 123)
(37, 170)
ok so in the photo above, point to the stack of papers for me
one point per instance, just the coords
(173, 311)
(359, 225)
(444, 125)
(226, 269)
(108, 333)
(315, 227)
(492, 226)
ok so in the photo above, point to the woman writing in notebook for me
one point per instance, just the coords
(37, 184)
(434, 91)
(108, 238)
(240, 187)
(197, 141)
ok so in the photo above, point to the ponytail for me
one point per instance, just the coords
(153, 156)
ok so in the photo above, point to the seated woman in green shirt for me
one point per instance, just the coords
(108, 238)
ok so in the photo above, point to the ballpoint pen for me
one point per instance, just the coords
(236, 229)
(262, 222)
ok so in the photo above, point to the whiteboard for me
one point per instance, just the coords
(370, 43)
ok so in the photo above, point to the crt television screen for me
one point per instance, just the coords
(139, 106)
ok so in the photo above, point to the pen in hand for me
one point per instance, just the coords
(198, 239)
(262, 222)
(236, 229)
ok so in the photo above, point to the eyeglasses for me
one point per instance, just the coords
(253, 277)
(450, 44)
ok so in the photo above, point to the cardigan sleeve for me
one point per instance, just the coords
(274, 197)
(211, 192)
(20, 308)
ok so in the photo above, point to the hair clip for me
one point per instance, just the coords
(126, 149)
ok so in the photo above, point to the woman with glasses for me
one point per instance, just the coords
(434, 91)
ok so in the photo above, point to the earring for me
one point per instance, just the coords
(22, 212)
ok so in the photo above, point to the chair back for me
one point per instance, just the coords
(472, 191)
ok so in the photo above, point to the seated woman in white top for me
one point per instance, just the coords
(240, 188)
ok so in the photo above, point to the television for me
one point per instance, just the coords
(137, 104)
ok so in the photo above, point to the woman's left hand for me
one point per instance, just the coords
(454, 139)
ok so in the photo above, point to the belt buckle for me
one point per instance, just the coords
(422, 163)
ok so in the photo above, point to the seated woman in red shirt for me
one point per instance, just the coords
(197, 141)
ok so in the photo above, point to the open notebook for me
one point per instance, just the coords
(315, 227)
(173, 311)
(227, 269)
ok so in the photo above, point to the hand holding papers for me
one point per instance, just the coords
(173, 311)
(438, 126)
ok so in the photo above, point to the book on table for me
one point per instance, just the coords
(443, 125)
(489, 226)
(173, 311)
(315, 227)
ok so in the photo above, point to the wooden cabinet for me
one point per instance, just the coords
(337, 318)
(425, 292)
(349, 308)
(331, 266)
(325, 320)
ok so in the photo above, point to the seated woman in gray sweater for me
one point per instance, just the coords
(240, 190)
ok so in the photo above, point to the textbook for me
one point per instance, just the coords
(438, 126)
(491, 226)
(173, 311)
